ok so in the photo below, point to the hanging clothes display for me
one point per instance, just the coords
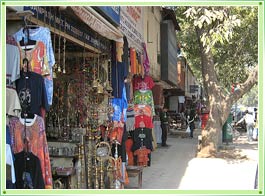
(42, 34)
(144, 111)
(36, 136)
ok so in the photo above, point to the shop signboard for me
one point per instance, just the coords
(194, 88)
(96, 22)
(67, 25)
(132, 25)
(112, 13)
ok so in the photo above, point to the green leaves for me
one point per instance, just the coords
(231, 33)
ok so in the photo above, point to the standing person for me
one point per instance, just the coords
(256, 125)
(249, 119)
(190, 122)
(164, 125)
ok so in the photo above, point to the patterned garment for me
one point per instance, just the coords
(145, 98)
(142, 156)
(145, 83)
(37, 58)
(140, 109)
(32, 93)
(42, 34)
(138, 142)
(143, 121)
(35, 133)
(146, 60)
(120, 106)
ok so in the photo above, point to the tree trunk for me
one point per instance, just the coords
(218, 104)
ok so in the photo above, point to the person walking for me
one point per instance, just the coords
(164, 125)
(249, 119)
(190, 122)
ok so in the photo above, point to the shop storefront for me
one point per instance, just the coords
(84, 86)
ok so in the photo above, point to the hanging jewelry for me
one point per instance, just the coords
(54, 45)
(95, 82)
(59, 48)
(100, 87)
(83, 56)
(64, 42)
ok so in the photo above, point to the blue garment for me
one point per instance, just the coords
(118, 74)
(120, 106)
(42, 34)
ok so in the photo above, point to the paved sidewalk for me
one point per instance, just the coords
(175, 167)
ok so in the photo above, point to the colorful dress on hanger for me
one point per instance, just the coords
(37, 58)
(35, 133)
(142, 156)
(144, 97)
(145, 83)
(143, 116)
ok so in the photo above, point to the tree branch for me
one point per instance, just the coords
(245, 87)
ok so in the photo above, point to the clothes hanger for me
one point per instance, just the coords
(26, 43)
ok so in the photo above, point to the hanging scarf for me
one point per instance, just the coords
(146, 62)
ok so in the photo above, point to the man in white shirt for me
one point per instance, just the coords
(249, 119)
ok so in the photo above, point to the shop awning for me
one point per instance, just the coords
(96, 22)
